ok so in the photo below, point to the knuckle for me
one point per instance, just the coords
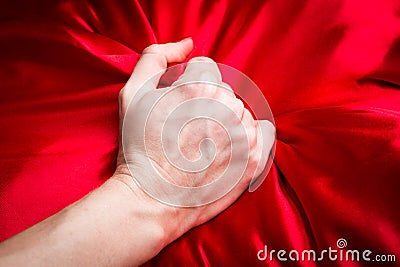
(201, 59)
(157, 58)
(227, 89)
(153, 49)
(239, 107)
(247, 118)
(208, 75)
(155, 53)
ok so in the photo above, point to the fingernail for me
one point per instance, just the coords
(185, 40)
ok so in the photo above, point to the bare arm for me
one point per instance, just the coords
(112, 226)
(118, 224)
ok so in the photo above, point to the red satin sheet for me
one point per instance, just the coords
(329, 69)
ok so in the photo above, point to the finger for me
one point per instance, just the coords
(251, 131)
(224, 90)
(153, 63)
(265, 141)
(200, 69)
(228, 88)
(221, 204)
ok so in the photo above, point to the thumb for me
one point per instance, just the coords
(265, 140)
(153, 62)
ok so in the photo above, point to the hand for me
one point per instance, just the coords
(119, 224)
(150, 146)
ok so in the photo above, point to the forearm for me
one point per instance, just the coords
(112, 226)
(120, 225)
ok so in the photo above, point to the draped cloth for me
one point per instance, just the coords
(330, 71)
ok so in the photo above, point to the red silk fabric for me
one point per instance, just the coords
(330, 71)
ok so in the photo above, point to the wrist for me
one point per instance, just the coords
(165, 223)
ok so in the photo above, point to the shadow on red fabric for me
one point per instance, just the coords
(330, 71)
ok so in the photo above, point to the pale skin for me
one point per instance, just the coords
(118, 224)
